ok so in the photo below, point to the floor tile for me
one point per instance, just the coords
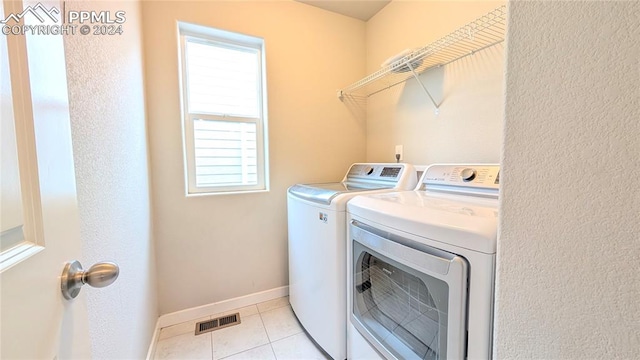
(244, 312)
(297, 347)
(273, 304)
(263, 352)
(188, 327)
(268, 331)
(186, 346)
(280, 323)
(249, 334)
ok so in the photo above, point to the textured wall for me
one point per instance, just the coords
(470, 90)
(110, 151)
(213, 248)
(569, 248)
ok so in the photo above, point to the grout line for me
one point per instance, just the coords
(294, 317)
(273, 351)
(308, 337)
(264, 327)
(288, 303)
(292, 335)
(257, 346)
(212, 352)
(195, 321)
(234, 354)
(270, 343)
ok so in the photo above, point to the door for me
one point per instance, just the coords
(36, 321)
(408, 299)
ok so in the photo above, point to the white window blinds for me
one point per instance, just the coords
(223, 80)
(225, 153)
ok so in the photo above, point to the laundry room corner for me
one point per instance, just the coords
(469, 92)
(237, 243)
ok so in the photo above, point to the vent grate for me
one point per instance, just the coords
(217, 323)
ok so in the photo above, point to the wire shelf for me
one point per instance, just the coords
(477, 35)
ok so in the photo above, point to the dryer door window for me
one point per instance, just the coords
(407, 311)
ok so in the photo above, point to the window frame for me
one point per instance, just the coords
(226, 39)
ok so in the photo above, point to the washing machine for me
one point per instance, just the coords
(317, 247)
(421, 267)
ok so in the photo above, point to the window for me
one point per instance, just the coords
(224, 110)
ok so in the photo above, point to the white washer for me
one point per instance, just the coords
(317, 247)
(421, 267)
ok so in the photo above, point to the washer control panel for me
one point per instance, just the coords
(472, 175)
(389, 172)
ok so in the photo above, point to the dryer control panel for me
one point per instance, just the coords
(482, 176)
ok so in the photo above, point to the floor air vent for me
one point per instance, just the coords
(217, 323)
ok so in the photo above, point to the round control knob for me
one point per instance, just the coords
(468, 174)
(368, 170)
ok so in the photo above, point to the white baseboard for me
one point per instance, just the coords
(154, 339)
(222, 306)
(213, 308)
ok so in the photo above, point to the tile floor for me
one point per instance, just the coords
(268, 330)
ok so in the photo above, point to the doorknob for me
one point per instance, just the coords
(99, 275)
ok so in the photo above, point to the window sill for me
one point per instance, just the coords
(236, 192)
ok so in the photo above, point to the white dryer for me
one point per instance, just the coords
(317, 247)
(421, 267)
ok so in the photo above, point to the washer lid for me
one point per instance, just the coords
(462, 221)
(360, 177)
(324, 193)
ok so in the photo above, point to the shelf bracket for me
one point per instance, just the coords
(415, 75)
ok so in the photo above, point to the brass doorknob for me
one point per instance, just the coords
(99, 275)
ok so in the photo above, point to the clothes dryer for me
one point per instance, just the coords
(421, 267)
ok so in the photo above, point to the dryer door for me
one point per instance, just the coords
(408, 299)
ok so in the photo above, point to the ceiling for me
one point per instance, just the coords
(359, 9)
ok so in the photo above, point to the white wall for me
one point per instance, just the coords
(569, 248)
(105, 79)
(213, 248)
(470, 90)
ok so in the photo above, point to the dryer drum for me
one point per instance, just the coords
(393, 301)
